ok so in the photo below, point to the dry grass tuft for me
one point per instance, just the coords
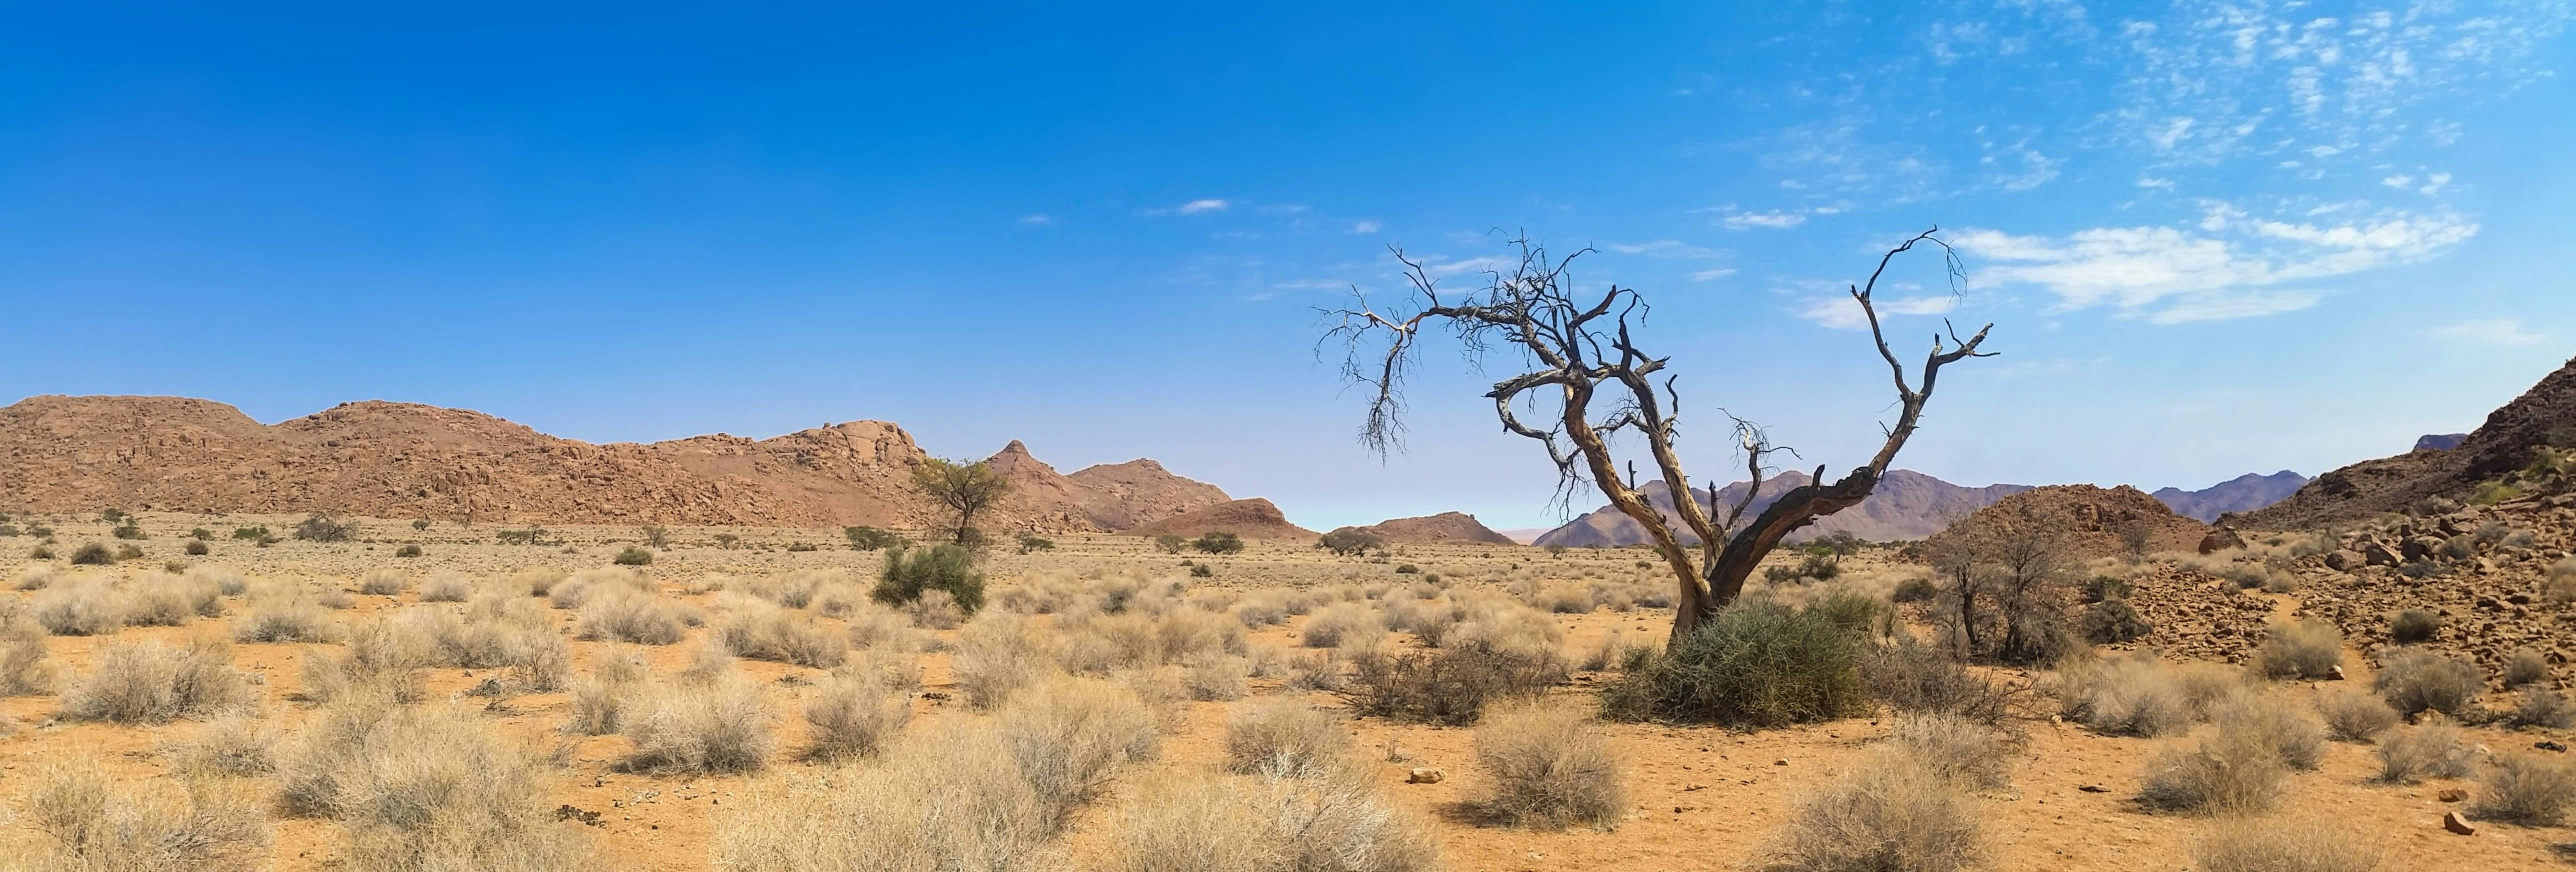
(152, 683)
(723, 728)
(1327, 819)
(628, 615)
(384, 582)
(2353, 716)
(1283, 733)
(2528, 789)
(760, 630)
(996, 656)
(853, 717)
(1547, 766)
(1889, 812)
(93, 825)
(80, 605)
(2415, 680)
(2300, 649)
(1966, 751)
(1070, 734)
(25, 669)
(424, 790)
(2224, 772)
(232, 746)
(2416, 753)
(2240, 845)
(952, 799)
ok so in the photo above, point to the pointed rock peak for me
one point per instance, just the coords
(1016, 447)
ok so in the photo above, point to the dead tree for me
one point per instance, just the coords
(1580, 353)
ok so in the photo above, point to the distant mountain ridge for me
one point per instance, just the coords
(1443, 527)
(2243, 493)
(1906, 505)
(2544, 414)
(396, 460)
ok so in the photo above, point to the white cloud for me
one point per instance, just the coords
(1841, 312)
(2495, 331)
(1194, 207)
(1709, 274)
(2233, 267)
(1771, 220)
(1669, 249)
(2145, 182)
(1365, 227)
(1038, 218)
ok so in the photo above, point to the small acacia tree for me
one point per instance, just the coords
(1583, 352)
(965, 488)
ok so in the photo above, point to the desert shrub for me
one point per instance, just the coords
(2538, 706)
(949, 568)
(602, 700)
(2528, 789)
(1069, 735)
(2292, 735)
(1450, 685)
(2222, 772)
(628, 615)
(871, 538)
(1889, 812)
(324, 528)
(81, 606)
(250, 533)
(383, 657)
(633, 556)
(1915, 678)
(283, 614)
(2415, 680)
(2113, 621)
(92, 554)
(1202, 570)
(723, 728)
(952, 799)
(759, 630)
(995, 657)
(2241, 845)
(1564, 599)
(1546, 766)
(1283, 733)
(424, 790)
(1340, 624)
(1218, 543)
(2124, 696)
(384, 582)
(35, 577)
(854, 717)
(935, 610)
(538, 580)
(232, 746)
(1171, 543)
(1349, 542)
(24, 670)
(2353, 716)
(1915, 590)
(1216, 678)
(224, 581)
(2525, 666)
(2300, 649)
(1963, 750)
(90, 823)
(1753, 664)
(2413, 625)
(446, 586)
(195, 548)
(2432, 750)
(152, 683)
(165, 600)
(1265, 609)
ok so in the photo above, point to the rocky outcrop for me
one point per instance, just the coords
(2088, 522)
(1446, 527)
(407, 460)
(2439, 441)
(1250, 519)
(1906, 505)
(1120, 496)
(2542, 415)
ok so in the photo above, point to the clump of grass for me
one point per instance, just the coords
(2413, 625)
(2222, 772)
(1069, 735)
(1312, 819)
(2432, 750)
(628, 615)
(2538, 706)
(1547, 766)
(25, 669)
(2300, 649)
(2353, 716)
(91, 823)
(78, 606)
(996, 656)
(723, 728)
(953, 798)
(424, 789)
(759, 630)
(2415, 680)
(2525, 666)
(446, 586)
(1966, 751)
(602, 699)
(2528, 789)
(152, 683)
(2241, 845)
(384, 582)
(2298, 740)
(853, 717)
(1285, 733)
(1342, 624)
(232, 746)
(1888, 812)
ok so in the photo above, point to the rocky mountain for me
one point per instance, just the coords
(399, 460)
(2088, 519)
(1443, 527)
(1906, 505)
(2545, 414)
(1251, 519)
(2243, 493)
(2439, 441)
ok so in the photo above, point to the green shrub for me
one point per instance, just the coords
(129, 551)
(631, 556)
(1915, 590)
(1202, 570)
(92, 554)
(114, 516)
(1753, 664)
(940, 567)
(2104, 587)
(250, 533)
(802, 547)
(1451, 684)
(129, 530)
(195, 548)
(2113, 621)
(871, 538)
(320, 527)
(1218, 543)
(1408, 569)
(1348, 542)
(1030, 542)
(1171, 543)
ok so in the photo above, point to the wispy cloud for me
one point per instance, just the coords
(1194, 207)
(1366, 226)
(2229, 265)
(1841, 312)
(1712, 274)
(1037, 218)
(1670, 249)
(2493, 331)
(1767, 220)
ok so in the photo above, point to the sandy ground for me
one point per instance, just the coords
(1702, 797)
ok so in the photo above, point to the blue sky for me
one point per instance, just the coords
(2215, 238)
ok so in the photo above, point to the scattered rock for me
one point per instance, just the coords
(2550, 745)
(2345, 560)
(568, 812)
(1426, 775)
(2094, 788)
(2452, 794)
(2451, 820)
(2220, 539)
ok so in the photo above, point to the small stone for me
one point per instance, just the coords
(1425, 775)
(2451, 820)
(2335, 672)
(2452, 794)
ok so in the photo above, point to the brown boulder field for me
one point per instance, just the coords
(1251, 519)
(2089, 519)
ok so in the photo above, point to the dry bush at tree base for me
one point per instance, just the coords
(1547, 766)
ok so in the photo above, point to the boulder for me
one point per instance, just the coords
(2343, 560)
(2451, 820)
(2421, 547)
(2221, 539)
(1425, 775)
(2377, 553)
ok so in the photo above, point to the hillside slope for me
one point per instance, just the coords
(1906, 505)
(1444, 527)
(397, 460)
(2542, 415)
(2243, 493)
